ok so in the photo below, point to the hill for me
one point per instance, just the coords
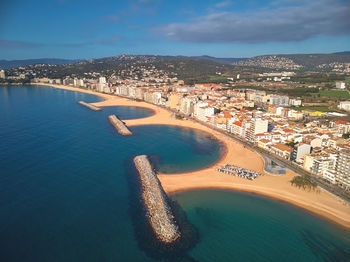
(190, 69)
(5, 64)
(343, 53)
(220, 60)
(304, 62)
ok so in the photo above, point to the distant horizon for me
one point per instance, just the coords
(63, 58)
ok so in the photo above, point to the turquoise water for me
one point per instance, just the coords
(237, 226)
(64, 192)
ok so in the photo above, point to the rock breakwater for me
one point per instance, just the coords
(155, 200)
(92, 107)
(119, 125)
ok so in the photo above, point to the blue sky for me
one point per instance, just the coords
(98, 28)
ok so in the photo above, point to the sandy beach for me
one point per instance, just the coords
(323, 203)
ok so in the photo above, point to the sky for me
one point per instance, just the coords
(83, 29)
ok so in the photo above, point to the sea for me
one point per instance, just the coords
(65, 190)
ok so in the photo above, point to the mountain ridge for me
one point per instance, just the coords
(274, 61)
(5, 64)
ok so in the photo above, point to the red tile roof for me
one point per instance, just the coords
(237, 123)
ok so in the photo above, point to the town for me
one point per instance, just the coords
(314, 141)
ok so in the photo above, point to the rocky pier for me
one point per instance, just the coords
(92, 107)
(119, 125)
(156, 202)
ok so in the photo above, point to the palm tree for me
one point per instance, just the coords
(304, 182)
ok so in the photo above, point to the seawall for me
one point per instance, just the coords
(92, 107)
(155, 200)
(119, 125)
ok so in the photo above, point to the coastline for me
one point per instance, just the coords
(323, 204)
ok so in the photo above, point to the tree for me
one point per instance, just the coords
(178, 116)
(303, 182)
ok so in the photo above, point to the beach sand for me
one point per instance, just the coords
(322, 203)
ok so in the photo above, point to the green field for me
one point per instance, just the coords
(335, 93)
(218, 79)
(347, 82)
(314, 108)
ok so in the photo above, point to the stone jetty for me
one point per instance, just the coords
(119, 125)
(92, 107)
(159, 213)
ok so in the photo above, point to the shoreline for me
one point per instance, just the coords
(323, 204)
(286, 201)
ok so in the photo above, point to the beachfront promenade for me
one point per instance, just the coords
(92, 107)
(119, 125)
(156, 203)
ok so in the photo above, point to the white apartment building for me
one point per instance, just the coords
(295, 102)
(344, 105)
(343, 168)
(101, 87)
(300, 151)
(132, 92)
(2, 74)
(124, 90)
(197, 106)
(186, 106)
(330, 175)
(320, 162)
(340, 85)
(203, 113)
(102, 80)
(78, 82)
(257, 126)
(152, 97)
(236, 128)
(278, 100)
(320, 165)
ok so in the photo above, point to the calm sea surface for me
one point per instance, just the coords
(64, 193)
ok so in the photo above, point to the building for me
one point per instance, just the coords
(308, 162)
(197, 107)
(344, 105)
(296, 115)
(174, 101)
(2, 74)
(282, 150)
(300, 151)
(343, 168)
(318, 163)
(78, 82)
(295, 102)
(102, 80)
(205, 112)
(257, 126)
(186, 106)
(330, 175)
(236, 128)
(316, 142)
(342, 127)
(278, 100)
(264, 143)
(340, 85)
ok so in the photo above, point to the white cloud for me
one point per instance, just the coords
(270, 24)
(223, 4)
